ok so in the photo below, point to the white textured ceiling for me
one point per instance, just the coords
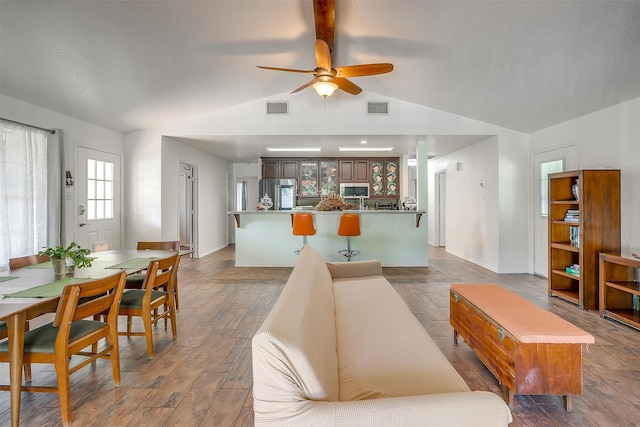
(130, 65)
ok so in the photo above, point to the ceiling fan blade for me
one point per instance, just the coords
(306, 85)
(323, 54)
(363, 70)
(324, 15)
(289, 70)
(347, 85)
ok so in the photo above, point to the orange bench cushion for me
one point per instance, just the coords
(524, 320)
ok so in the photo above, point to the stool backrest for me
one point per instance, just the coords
(303, 224)
(349, 225)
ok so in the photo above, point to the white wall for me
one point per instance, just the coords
(76, 133)
(608, 138)
(472, 203)
(308, 115)
(211, 195)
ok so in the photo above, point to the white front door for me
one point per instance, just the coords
(98, 205)
(556, 160)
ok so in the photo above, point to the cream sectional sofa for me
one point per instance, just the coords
(341, 348)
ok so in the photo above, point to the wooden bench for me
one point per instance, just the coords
(528, 349)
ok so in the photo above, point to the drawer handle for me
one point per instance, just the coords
(455, 297)
(501, 333)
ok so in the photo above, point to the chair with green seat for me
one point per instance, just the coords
(71, 334)
(147, 302)
(134, 281)
(14, 264)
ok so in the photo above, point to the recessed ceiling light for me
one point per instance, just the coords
(295, 149)
(363, 142)
(365, 149)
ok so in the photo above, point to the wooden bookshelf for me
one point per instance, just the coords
(596, 225)
(619, 290)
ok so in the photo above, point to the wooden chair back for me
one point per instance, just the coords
(171, 245)
(25, 261)
(83, 300)
(100, 247)
(162, 273)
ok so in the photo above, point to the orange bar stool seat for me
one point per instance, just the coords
(349, 227)
(302, 226)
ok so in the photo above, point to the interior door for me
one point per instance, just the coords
(556, 160)
(186, 205)
(98, 198)
(440, 207)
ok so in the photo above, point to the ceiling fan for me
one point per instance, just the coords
(326, 79)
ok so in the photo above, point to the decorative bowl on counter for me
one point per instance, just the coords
(265, 203)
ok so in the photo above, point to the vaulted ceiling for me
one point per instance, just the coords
(130, 65)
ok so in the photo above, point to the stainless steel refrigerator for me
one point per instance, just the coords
(283, 192)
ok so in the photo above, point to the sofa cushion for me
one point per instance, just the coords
(383, 350)
(294, 351)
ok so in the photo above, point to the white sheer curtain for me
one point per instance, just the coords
(23, 191)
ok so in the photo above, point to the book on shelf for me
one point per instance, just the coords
(572, 215)
(574, 236)
(574, 269)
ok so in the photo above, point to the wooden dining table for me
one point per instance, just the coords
(16, 311)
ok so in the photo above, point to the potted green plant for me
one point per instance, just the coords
(66, 259)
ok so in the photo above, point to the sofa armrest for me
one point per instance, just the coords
(351, 269)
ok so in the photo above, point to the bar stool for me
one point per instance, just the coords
(302, 226)
(349, 226)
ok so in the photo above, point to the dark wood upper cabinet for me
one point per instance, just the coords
(380, 173)
(354, 170)
(361, 168)
(290, 169)
(346, 171)
(270, 168)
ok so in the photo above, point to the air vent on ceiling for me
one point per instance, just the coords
(378, 107)
(277, 108)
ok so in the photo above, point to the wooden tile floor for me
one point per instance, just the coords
(204, 377)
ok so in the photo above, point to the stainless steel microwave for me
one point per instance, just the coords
(355, 189)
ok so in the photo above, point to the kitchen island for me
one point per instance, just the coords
(395, 238)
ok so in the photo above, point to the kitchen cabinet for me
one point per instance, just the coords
(354, 170)
(308, 178)
(328, 177)
(289, 169)
(385, 182)
(320, 176)
(270, 169)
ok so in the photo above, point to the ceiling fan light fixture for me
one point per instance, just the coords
(325, 89)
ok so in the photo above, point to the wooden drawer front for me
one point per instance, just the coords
(548, 368)
(493, 346)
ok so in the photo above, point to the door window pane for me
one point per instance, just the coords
(545, 169)
(99, 190)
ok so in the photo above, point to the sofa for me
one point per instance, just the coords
(341, 348)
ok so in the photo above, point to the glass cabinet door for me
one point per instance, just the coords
(309, 179)
(392, 178)
(328, 177)
(377, 188)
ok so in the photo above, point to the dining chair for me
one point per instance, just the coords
(136, 280)
(71, 333)
(14, 264)
(100, 247)
(26, 261)
(147, 302)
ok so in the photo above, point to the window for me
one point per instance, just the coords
(545, 169)
(99, 190)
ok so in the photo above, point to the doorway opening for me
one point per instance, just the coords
(187, 201)
(440, 208)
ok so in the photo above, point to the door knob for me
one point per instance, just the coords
(82, 224)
